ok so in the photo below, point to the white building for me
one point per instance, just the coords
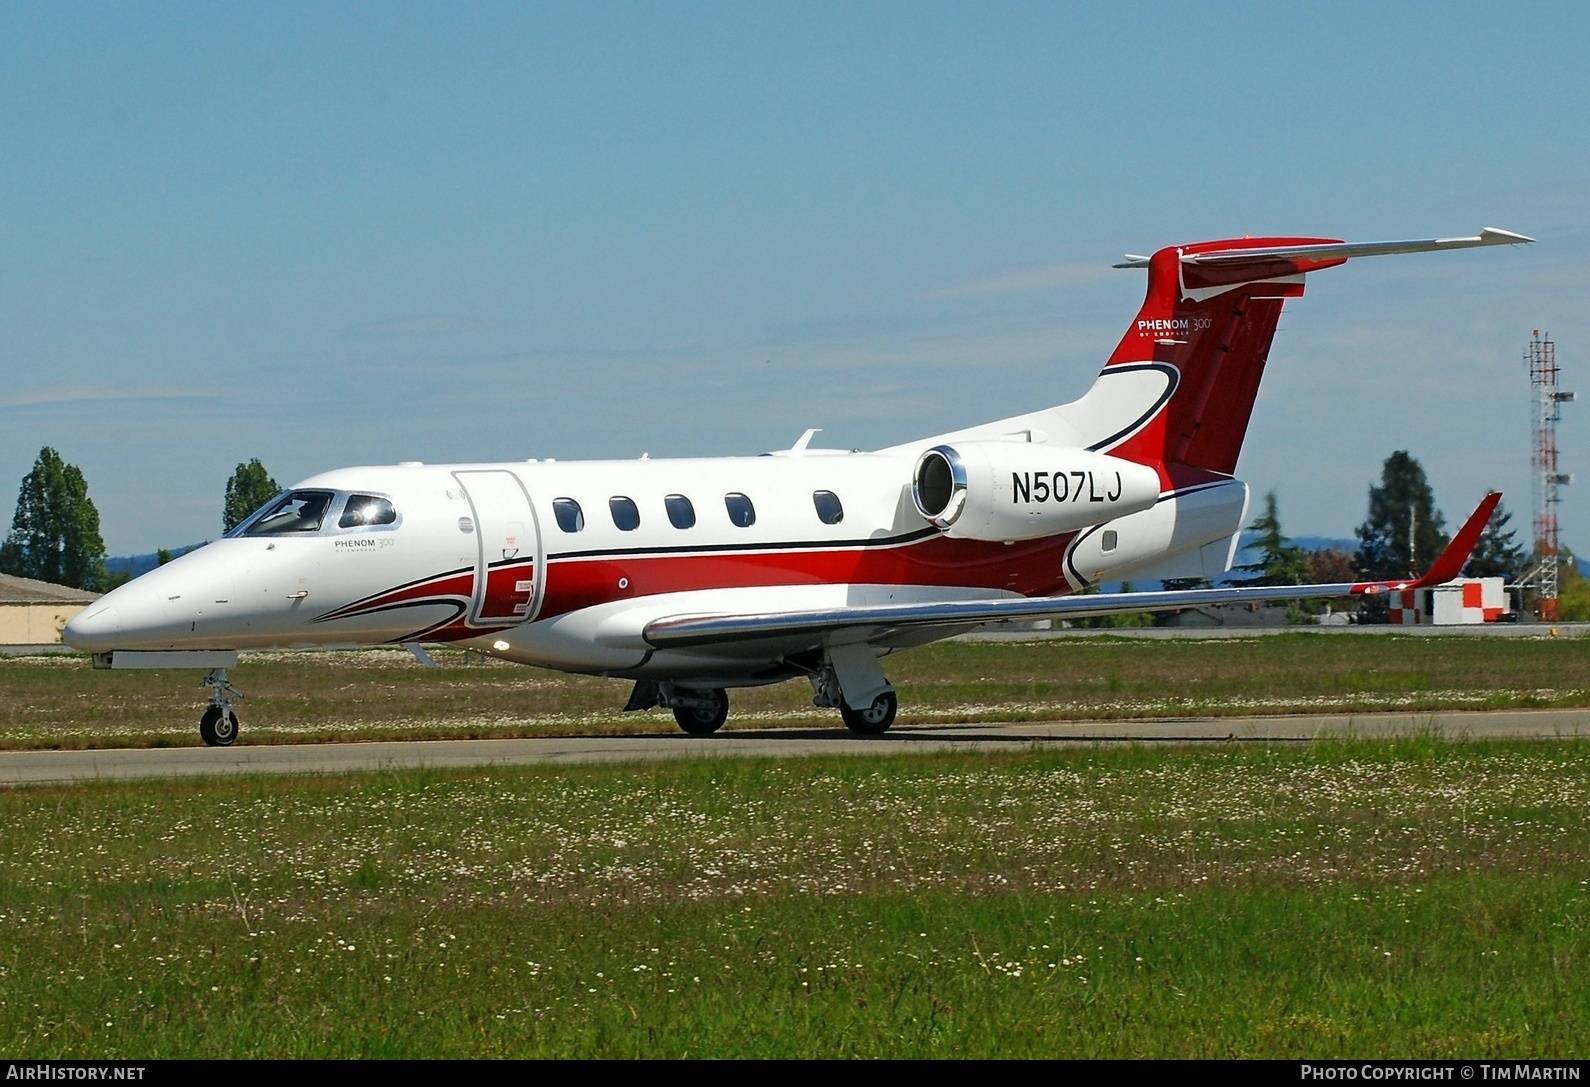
(1466, 600)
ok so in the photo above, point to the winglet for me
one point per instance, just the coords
(1452, 560)
(1492, 235)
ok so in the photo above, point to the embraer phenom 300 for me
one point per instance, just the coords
(690, 577)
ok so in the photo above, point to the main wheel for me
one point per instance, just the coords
(218, 726)
(875, 719)
(704, 720)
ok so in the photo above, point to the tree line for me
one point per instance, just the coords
(1400, 537)
(55, 534)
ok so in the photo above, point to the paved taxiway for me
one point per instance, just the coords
(33, 767)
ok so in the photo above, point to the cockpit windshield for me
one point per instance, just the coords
(294, 512)
(366, 509)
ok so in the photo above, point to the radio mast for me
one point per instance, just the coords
(1541, 358)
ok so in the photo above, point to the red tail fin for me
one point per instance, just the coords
(1210, 314)
(1213, 323)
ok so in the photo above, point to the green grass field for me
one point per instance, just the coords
(385, 694)
(1412, 898)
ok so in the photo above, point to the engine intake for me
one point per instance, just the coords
(1022, 491)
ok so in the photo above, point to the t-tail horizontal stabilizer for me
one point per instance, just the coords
(1340, 250)
(695, 630)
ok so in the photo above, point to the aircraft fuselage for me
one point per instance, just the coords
(493, 556)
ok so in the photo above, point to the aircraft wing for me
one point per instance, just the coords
(876, 621)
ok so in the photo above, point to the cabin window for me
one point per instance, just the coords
(680, 512)
(829, 509)
(1110, 540)
(625, 513)
(741, 512)
(364, 510)
(570, 517)
(294, 512)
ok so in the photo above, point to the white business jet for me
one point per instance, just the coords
(689, 577)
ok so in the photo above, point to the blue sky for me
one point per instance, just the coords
(341, 234)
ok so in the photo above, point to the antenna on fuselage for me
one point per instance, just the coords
(804, 440)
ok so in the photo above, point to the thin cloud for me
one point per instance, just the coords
(1032, 277)
(55, 395)
(431, 324)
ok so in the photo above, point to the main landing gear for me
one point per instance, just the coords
(699, 712)
(218, 726)
(875, 719)
(870, 711)
(854, 668)
(707, 713)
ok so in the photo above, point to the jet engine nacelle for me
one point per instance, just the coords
(1021, 491)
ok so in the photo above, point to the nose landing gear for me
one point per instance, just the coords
(218, 726)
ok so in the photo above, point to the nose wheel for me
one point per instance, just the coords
(218, 726)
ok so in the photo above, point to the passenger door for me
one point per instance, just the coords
(507, 585)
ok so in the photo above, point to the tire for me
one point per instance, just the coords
(218, 726)
(701, 720)
(875, 719)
